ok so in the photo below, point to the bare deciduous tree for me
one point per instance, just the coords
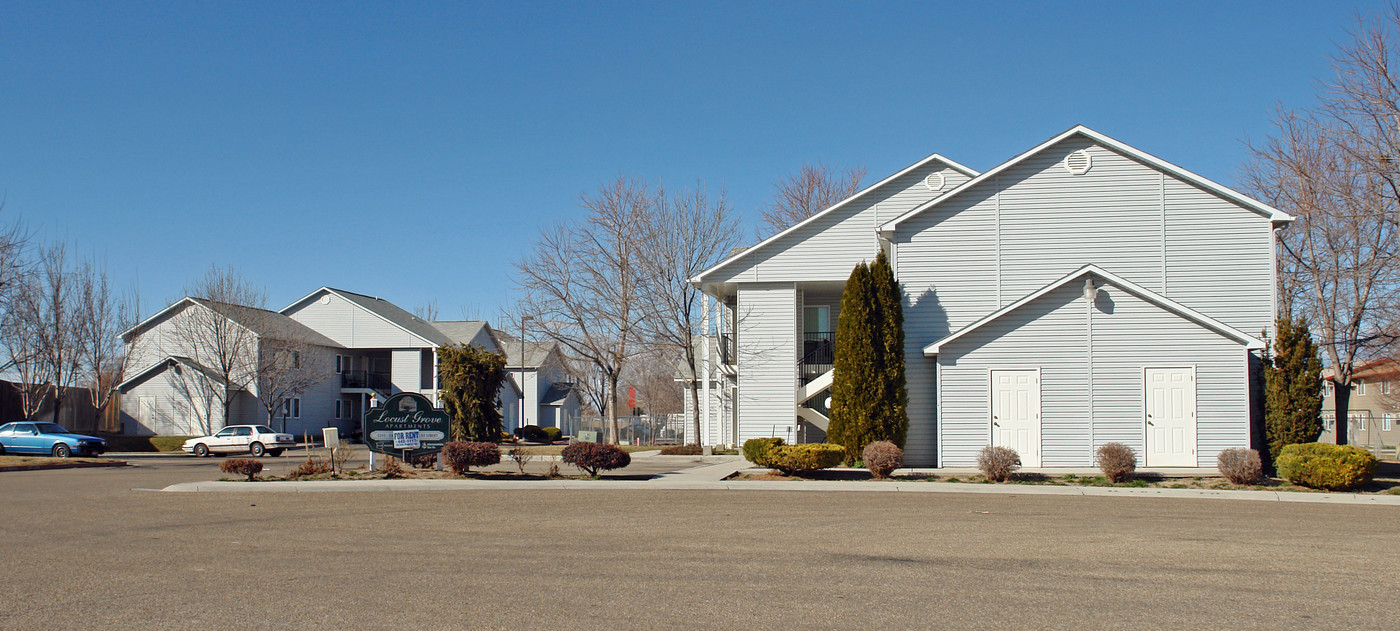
(99, 318)
(42, 309)
(427, 311)
(811, 190)
(1334, 168)
(685, 235)
(583, 284)
(288, 369)
(226, 350)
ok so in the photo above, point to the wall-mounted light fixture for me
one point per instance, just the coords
(1090, 291)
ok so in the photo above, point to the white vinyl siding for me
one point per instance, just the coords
(829, 247)
(403, 371)
(768, 325)
(351, 325)
(1096, 356)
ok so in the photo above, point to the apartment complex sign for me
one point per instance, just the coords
(404, 413)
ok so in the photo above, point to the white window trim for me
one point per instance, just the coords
(1360, 387)
(291, 407)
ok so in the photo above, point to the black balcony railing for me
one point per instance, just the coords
(727, 356)
(362, 379)
(818, 354)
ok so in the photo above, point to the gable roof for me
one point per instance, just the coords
(1148, 295)
(262, 322)
(169, 361)
(557, 394)
(462, 331)
(1247, 202)
(387, 311)
(737, 253)
(535, 352)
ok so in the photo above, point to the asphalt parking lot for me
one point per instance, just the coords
(85, 548)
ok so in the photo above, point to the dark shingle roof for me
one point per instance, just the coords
(391, 312)
(268, 324)
(460, 331)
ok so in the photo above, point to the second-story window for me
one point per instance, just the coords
(1358, 388)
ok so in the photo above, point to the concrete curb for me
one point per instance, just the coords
(677, 482)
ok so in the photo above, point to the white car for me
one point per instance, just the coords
(254, 439)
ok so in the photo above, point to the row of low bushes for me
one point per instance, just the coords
(124, 443)
(537, 434)
(881, 457)
(591, 458)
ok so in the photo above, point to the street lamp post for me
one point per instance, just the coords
(523, 319)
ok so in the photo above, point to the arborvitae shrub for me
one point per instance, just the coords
(882, 457)
(242, 466)
(595, 457)
(461, 456)
(797, 459)
(470, 380)
(552, 433)
(1292, 388)
(1326, 466)
(998, 463)
(1240, 465)
(682, 450)
(756, 449)
(1117, 461)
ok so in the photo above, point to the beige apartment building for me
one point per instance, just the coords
(1373, 416)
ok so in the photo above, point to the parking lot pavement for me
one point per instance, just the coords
(84, 549)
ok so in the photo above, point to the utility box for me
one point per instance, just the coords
(331, 437)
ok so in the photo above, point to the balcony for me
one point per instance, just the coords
(378, 381)
(727, 354)
(818, 354)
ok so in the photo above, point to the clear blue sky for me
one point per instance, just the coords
(413, 150)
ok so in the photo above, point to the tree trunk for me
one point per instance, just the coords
(1343, 401)
(695, 403)
(614, 436)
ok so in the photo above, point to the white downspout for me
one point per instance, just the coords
(704, 370)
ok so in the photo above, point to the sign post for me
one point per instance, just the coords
(407, 426)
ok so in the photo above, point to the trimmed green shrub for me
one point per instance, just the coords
(552, 433)
(756, 449)
(882, 457)
(682, 450)
(242, 466)
(594, 457)
(1292, 388)
(998, 463)
(1240, 465)
(461, 456)
(470, 379)
(797, 459)
(168, 443)
(532, 433)
(1117, 461)
(120, 442)
(1327, 466)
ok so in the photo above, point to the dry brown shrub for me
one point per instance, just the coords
(1117, 461)
(312, 466)
(998, 463)
(391, 468)
(1240, 465)
(882, 457)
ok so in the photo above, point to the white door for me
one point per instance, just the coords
(1171, 417)
(146, 416)
(1016, 413)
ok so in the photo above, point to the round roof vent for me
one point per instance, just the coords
(325, 299)
(1078, 163)
(935, 181)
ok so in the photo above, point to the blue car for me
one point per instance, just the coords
(48, 439)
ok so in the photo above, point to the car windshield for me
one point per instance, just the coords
(51, 428)
(263, 429)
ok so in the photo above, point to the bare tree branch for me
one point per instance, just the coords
(811, 190)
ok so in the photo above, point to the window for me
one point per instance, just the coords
(291, 408)
(1327, 388)
(1360, 421)
(1385, 387)
(339, 364)
(338, 405)
(227, 431)
(243, 431)
(1359, 388)
(1386, 419)
(425, 369)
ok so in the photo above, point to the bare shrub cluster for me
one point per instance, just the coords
(998, 463)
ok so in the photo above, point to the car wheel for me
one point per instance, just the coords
(257, 450)
(61, 450)
(201, 450)
(2, 450)
(274, 452)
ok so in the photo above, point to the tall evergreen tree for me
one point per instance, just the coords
(892, 417)
(471, 380)
(1292, 388)
(854, 398)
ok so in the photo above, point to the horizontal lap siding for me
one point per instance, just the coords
(172, 415)
(351, 325)
(1048, 334)
(767, 360)
(947, 270)
(1218, 258)
(1053, 222)
(1138, 334)
(829, 247)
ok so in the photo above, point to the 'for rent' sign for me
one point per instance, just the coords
(407, 416)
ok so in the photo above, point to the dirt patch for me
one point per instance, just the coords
(39, 463)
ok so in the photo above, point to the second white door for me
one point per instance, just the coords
(1171, 417)
(1016, 413)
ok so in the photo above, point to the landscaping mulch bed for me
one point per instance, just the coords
(40, 463)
